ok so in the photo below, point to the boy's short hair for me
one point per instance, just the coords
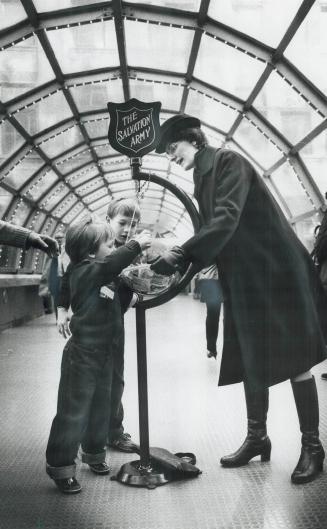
(124, 206)
(85, 236)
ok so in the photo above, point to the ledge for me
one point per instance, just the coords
(19, 280)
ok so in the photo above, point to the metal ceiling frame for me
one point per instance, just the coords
(116, 10)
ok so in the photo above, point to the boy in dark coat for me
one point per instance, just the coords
(272, 294)
(84, 395)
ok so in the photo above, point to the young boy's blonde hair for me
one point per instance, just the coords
(85, 236)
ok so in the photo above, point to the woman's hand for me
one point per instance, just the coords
(169, 262)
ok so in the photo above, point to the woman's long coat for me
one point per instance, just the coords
(272, 294)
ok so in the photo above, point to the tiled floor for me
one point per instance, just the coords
(187, 412)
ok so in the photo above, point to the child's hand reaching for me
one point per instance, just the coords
(144, 239)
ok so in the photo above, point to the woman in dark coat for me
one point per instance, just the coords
(272, 295)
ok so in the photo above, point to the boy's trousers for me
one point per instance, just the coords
(82, 410)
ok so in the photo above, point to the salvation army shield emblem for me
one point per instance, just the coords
(134, 127)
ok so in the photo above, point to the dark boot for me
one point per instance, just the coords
(257, 443)
(312, 453)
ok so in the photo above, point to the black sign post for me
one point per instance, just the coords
(134, 132)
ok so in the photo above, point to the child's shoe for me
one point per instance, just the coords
(123, 443)
(68, 485)
(99, 468)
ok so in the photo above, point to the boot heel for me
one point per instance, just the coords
(265, 454)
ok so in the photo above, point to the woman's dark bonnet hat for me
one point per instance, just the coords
(174, 124)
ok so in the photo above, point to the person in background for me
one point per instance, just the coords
(274, 326)
(84, 395)
(53, 271)
(211, 295)
(123, 216)
(58, 266)
(319, 255)
(12, 235)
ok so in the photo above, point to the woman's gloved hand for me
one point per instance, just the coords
(43, 242)
(170, 262)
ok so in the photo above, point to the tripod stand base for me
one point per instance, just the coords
(136, 475)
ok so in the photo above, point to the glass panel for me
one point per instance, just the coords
(307, 49)
(64, 206)
(103, 151)
(315, 158)
(118, 186)
(20, 213)
(62, 141)
(97, 128)
(10, 140)
(85, 47)
(57, 194)
(210, 111)
(117, 177)
(256, 144)
(22, 67)
(11, 13)
(227, 68)
(80, 177)
(44, 113)
(93, 185)
(115, 164)
(286, 109)
(289, 186)
(169, 95)
(39, 185)
(188, 5)
(158, 45)
(73, 212)
(23, 171)
(257, 18)
(96, 96)
(215, 139)
(100, 203)
(94, 196)
(36, 221)
(68, 165)
(233, 147)
(52, 5)
(155, 161)
(5, 199)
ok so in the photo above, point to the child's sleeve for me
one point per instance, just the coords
(64, 290)
(125, 296)
(115, 262)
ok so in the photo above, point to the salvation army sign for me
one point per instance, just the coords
(134, 127)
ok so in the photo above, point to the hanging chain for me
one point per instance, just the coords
(140, 190)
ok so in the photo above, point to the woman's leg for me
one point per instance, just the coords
(212, 325)
(257, 443)
(312, 452)
(211, 293)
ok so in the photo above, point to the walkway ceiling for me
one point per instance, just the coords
(254, 71)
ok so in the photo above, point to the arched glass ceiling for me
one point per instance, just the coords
(252, 70)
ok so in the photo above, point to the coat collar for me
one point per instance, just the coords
(204, 160)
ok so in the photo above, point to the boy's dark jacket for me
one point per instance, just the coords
(97, 321)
